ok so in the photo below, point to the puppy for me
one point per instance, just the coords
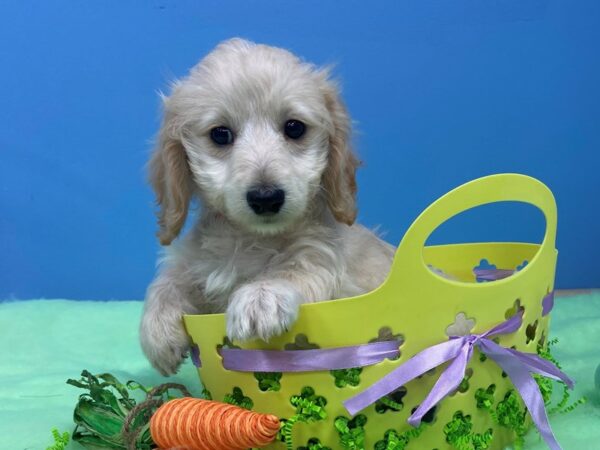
(262, 141)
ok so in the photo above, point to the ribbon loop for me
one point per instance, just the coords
(446, 384)
(422, 362)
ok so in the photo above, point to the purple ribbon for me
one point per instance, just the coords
(242, 360)
(547, 303)
(492, 274)
(517, 365)
(195, 355)
(499, 274)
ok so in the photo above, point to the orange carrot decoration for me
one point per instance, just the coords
(196, 424)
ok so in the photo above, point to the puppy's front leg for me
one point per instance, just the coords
(268, 306)
(262, 309)
(162, 334)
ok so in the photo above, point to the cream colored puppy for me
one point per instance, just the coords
(262, 141)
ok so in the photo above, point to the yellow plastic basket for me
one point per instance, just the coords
(418, 304)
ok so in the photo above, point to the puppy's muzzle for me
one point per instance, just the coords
(265, 200)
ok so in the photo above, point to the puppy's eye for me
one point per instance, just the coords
(221, 135)
(294, 129)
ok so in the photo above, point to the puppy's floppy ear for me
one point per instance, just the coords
(339, 178)
(171, 178)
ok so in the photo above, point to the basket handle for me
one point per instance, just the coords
(490, 189)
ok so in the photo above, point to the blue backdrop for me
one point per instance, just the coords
(442, 92)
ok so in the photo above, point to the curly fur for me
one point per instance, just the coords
(256, 269)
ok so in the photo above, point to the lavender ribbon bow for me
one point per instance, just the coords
(518, 366)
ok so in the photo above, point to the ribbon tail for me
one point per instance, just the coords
(411, 369)
(518, 372)
(542, 366)
(446, 383)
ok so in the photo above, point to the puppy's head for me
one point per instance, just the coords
(259, 136)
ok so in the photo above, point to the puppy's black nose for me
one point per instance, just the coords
(266, 199)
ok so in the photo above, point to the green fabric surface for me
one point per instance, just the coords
(44, 342)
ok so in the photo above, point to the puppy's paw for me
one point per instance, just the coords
(262, 309)
(164, 342)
